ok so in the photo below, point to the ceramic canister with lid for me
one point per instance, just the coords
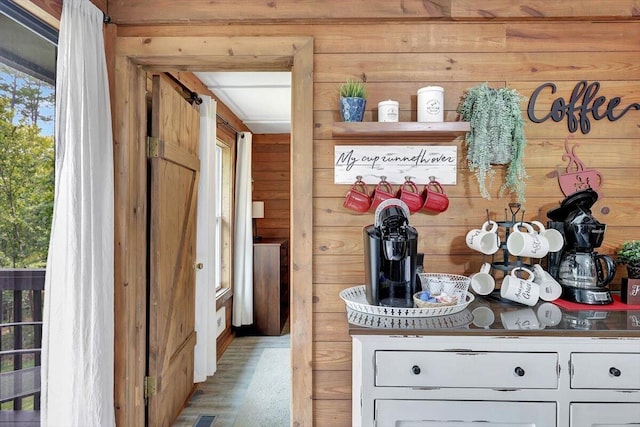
(431, 104)
(388, 111)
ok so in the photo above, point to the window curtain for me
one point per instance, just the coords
(243, 241)
(78, 330)
(206, 328)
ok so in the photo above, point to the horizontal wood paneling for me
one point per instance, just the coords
(470, 66)
(615, 212)
(334, 413)
(331, 385)
(271, 167)
(332, 356)
(164, 11)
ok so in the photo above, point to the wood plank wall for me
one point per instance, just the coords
(397, 58)
(271, 169)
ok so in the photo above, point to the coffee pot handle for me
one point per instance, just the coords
(610, 267)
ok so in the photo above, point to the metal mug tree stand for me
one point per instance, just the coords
(502, 260)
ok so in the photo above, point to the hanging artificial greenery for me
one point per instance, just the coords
(496, 136)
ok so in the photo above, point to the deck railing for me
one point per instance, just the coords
(21, 297)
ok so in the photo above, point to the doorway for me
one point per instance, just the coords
(135, 55)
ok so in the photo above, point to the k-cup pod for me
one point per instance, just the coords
(553, 236)
(528, 243)
(484, 239)
(388, 111)
(524, 291)
(482, 282)
(431, 104)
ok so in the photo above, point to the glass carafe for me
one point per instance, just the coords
(586, 270)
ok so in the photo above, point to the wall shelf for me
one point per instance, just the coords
(432, 131)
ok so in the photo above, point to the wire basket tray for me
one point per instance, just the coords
(355, 298)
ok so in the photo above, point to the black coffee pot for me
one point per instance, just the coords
(582, 272)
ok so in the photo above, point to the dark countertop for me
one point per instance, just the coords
(492, 315)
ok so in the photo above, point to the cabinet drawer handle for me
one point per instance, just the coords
(415, 369)
(615, 371)
(519, 371)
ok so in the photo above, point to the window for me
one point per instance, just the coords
(27, 78)
(224, 189)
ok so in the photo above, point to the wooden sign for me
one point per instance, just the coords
(422, 163)
(583, 102)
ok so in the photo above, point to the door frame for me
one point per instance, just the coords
(133, 57)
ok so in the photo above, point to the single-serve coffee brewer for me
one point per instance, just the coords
(390, 256)
(582, 272)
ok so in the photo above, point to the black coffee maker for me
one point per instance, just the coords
(582, 272)
(390, 256)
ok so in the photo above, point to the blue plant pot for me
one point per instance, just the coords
(352, 109)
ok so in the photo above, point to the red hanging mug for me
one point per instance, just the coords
(435, 199)
(357, 198)
(409, 194)
(382, 192)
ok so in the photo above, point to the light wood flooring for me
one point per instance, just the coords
(223, 393)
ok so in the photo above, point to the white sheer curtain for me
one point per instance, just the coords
(78, 331)
(205, 350)
(243, 241)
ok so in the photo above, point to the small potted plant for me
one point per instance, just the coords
(353, 99)
(629, 255)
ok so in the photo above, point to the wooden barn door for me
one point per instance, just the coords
(173, 180)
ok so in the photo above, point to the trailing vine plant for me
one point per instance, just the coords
(496, 137)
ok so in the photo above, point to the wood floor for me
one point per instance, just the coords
(223, 393)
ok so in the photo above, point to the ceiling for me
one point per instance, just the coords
(261, 99)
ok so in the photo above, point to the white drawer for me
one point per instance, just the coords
(605, 370)
(434, 413)
(466, 369)
(605, 414)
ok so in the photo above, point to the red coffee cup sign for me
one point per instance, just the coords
(357, 198)
(435, 199)
(409, 194)
(382, 192)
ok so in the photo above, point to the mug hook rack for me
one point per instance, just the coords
(505, 262)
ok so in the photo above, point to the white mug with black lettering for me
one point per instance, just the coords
(484, 239)
(524, 291)
(526, 243)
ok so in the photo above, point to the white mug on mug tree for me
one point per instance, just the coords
(524, 291)
(484, 239)
(526, 244)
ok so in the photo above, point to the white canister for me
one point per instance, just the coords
(388, 111)
(431, 104)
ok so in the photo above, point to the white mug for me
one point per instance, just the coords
(527, 244)
(484, 239)
(550, 289)
(483, 282)
(524, 291)
(555, 238)
(523, 319)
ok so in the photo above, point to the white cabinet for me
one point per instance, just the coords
(468, 380)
